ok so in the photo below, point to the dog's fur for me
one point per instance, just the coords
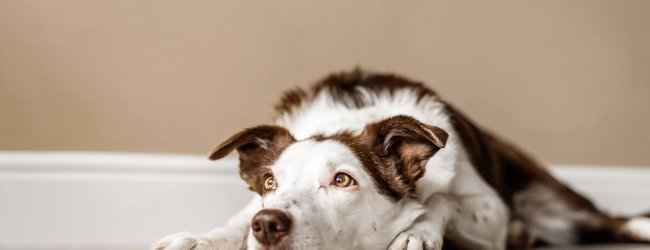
(423, 173)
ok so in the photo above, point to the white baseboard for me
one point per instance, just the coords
(85, 199)
(71, 198)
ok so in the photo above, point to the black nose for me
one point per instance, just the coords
(270, 226)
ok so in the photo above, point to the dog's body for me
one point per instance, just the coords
(408, 170)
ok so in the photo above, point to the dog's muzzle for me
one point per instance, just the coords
(270, 226)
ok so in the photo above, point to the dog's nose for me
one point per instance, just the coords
(270, 226)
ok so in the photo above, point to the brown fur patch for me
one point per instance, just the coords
(258, 148)
(394, 152)
(291, 100)
(345, 87)
(340, 134)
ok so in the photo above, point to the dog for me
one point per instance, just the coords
(377, 161)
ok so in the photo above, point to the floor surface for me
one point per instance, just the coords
(144, 247)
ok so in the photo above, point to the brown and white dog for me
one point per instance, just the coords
(376, 161)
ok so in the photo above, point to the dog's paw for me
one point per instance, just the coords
(181, 241)
(415, 241)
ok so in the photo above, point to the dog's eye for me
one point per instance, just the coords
(343, 180)
(269, 182)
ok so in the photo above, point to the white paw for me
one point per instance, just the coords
(415, 241)
(180, 241)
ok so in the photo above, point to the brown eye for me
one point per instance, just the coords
(269, 183)
(343, 180)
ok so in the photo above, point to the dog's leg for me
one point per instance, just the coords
(428, 230)
(478, 221)
(471, 221)
(231, 236)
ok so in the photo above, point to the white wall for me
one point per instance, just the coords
(566, 79)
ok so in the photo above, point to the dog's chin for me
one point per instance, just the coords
(279, 246)
(282, 245)
(287, 244)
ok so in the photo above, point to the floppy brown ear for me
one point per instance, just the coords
(404, 145)
(257, 147)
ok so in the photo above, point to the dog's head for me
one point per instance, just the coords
(339, 191)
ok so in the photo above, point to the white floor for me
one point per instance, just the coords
(144, 247)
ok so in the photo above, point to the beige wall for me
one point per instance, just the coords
(568, 80)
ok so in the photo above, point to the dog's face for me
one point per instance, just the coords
(341, 191)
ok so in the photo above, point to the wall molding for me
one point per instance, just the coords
(96, 198)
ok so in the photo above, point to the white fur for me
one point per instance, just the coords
(638, 227)
(327, 116)
(326, 217)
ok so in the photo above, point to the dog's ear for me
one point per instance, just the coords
(258, 147)
(404, 145)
